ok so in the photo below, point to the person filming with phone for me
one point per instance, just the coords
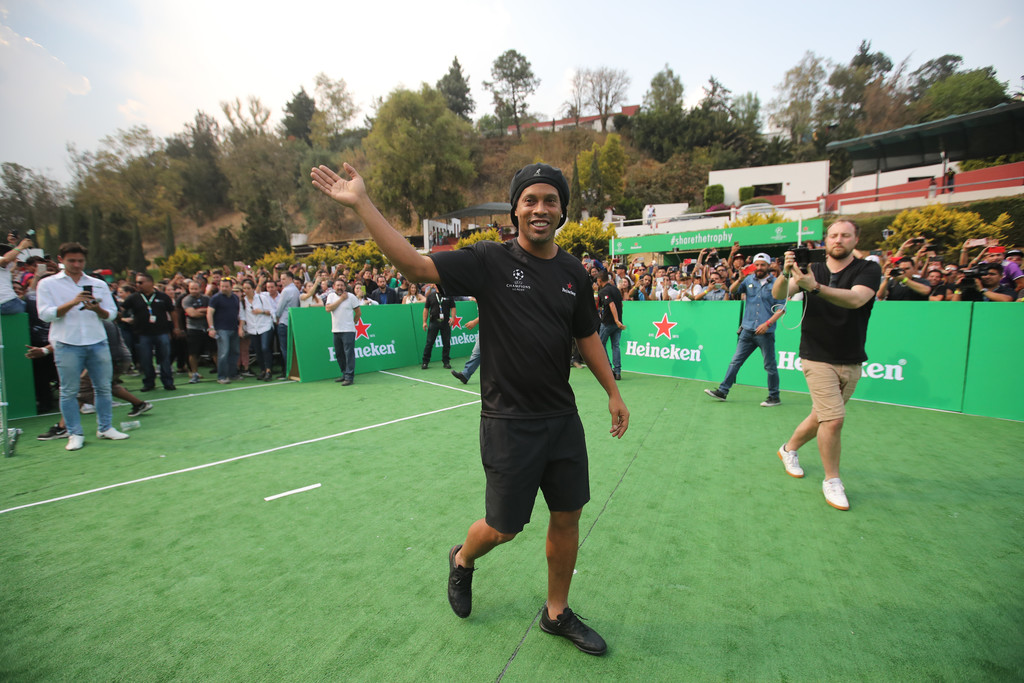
(10, 302)
(75, 304)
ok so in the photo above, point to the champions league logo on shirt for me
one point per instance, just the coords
(518, 285)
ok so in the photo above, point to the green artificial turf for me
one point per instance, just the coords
(700, 558)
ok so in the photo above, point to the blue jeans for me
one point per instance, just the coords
(264, 345)
(282, 343)
(749, 341)
(227, 353)
(13, 306)
(345, 353)
(612, 332)
(474, 360)
(70, 361)
(162, 344)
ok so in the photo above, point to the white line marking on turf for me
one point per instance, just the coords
(426, 381)
(288, 493)
(238, 457)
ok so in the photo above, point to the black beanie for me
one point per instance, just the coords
(538, 173)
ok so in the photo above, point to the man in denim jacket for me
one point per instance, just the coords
(760, 312)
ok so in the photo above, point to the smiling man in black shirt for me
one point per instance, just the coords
(534, 299)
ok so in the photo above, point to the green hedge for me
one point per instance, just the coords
(746, 193)
(714, 194)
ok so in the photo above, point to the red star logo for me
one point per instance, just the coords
(362, 329)
(664, 327)
(569, 286)
(456, 320)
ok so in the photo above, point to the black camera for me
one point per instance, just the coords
(805, 256)
(973, 272)
(896, 272)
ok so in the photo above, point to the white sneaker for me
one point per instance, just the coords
(835, 494)
(75, 441)
(791, 462)
(87, 409)
(112, 434)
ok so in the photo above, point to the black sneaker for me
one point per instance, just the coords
(143, 407)
(459, 376)
(460, 585)
(715, 393)
(447, 366)
(423, 367)
(55, 432)
(346, 383)
(569, 626)
(771, 402)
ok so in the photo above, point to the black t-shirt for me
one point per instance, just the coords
(610, 294)
(830, 333)
(150, 314)
(439, 306)
(530, 309)
(901, 292)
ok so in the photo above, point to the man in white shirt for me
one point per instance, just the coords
(75, 304)
(344, 310)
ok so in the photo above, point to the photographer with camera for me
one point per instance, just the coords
(840, 295)
(10, 302)
(982, 283)
(901, 282)
(75, 304)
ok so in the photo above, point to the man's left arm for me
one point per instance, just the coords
(596, 359)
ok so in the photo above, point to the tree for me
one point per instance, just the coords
(334, 109)
(421, 154)
(575, 209)
(454, 86)
(963, 92)
(182, 260)
(591, 236)
(479, 236)
(136, 257)
(513, 83)
(262, 172)
(196, 154)
(298, 116)
(613, 168)
(606, 89)
(27, 199)
(130, 176)
(169, 238)
(246, 121)
(945, 227)
(573, 107)
(97, 252)
(931, 72)
(665, 93)
(796, 108)
(261, 232)
(658, 128)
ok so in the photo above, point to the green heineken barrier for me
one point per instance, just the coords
(722, 238)
(916, 351)
(387, 337)
(462, 339)
(692, 339)
(20, 387)
(992, 384)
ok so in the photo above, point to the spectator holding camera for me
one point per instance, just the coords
(901, 282)
(10, 302)
(716, 289)
(982, 283)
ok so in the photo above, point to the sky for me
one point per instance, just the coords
(73, 72)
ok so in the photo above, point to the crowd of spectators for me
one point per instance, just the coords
(234, 319)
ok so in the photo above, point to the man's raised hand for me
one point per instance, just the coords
(345, 192)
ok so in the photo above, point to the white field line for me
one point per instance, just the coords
(288, 493)
(425, 381)
(238, 457)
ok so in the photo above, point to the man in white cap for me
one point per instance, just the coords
(757, 329)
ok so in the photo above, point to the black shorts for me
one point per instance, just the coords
(520, 456)
(197, 340)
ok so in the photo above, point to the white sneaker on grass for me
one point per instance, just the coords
(835, 494)
(791, 462)
(75, 441)
(87, 409)
(112, 434)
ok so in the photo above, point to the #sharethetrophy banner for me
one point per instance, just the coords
(772, 233)
(462, 339)
(692, 339)
(916, 350)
